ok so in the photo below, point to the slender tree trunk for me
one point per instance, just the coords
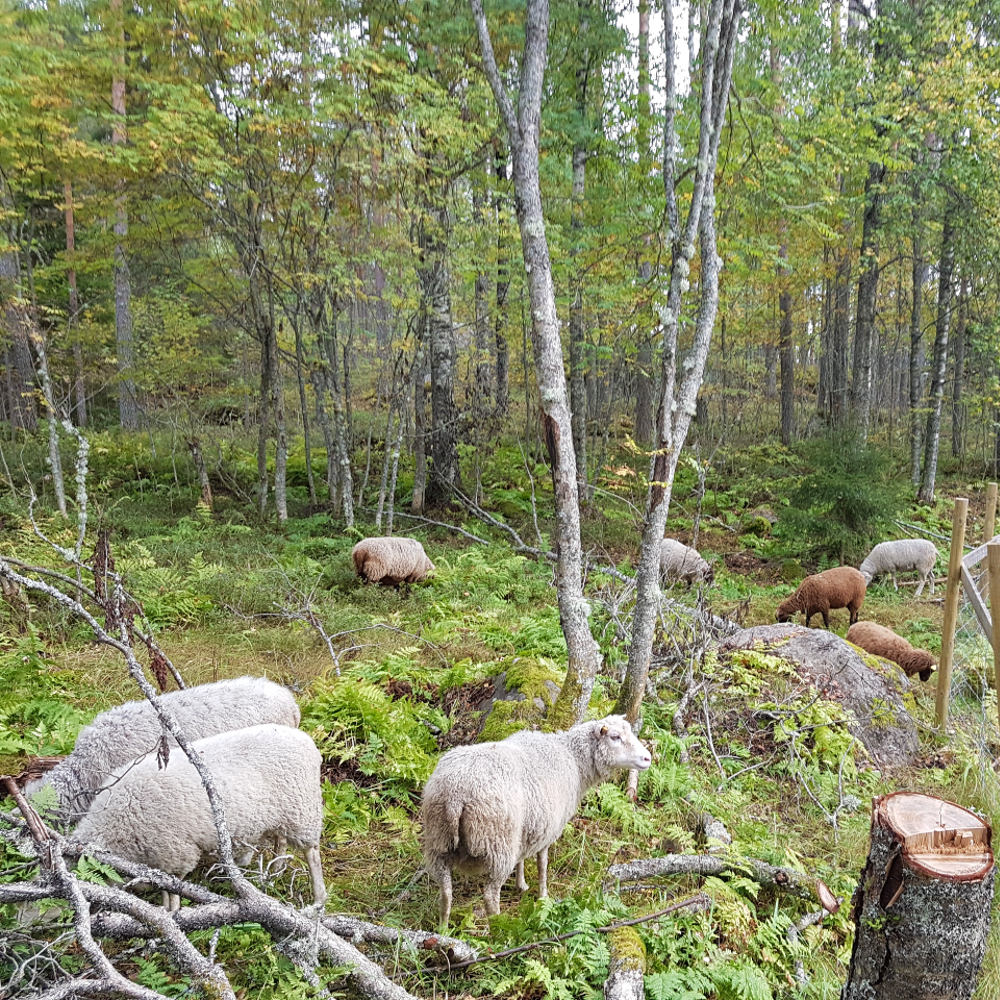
(79, 381)
(483, 388)
(21, 409)
(864, 331)
(436, 295)
(128, 408)
(958, 385)
(678, 401)
(919, 274)
(785, 346)
(502, 367)
(419, 433)
(644, 358)
(198, 458)
(841, 338)
(523, 132)
(939, 366)
(577, 331)
(300, 379)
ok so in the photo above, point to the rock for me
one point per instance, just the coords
(840, 673)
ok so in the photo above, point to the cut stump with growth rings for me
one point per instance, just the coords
(922, 907)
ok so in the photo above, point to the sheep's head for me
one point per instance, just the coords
(618, 747)
(919, 662)
(786, 610)
(708, 574)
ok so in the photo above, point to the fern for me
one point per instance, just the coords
(687, 984)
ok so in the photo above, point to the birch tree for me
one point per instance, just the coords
(523, 133)
(680, 378)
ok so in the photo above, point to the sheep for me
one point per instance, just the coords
(905, 554)
(391, 561)
(842, 587)
(489, 806)
(267, 776)
(681, 562)
(882, 641)
(133, 729)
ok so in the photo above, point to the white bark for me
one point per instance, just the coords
(523, 131)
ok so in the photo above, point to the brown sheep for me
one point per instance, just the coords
(882, 641)
(842, 587)
(391, 561)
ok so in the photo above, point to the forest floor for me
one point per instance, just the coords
(230, 596)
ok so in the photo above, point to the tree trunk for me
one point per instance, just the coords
(922, 906)
(919, 274)
(864, 330)
(958, 385)
(577, 331)
(419, 434)
(786, 348)
(841, 338)
(502, 367)
(79, 382)
(128, 409)
(21, 410)
(300, 379)
(644, 359)
(939, 366)
(523, 132)
(194, 446)
(440, 338)
(678, 402)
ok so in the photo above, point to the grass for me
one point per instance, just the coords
(219, 589)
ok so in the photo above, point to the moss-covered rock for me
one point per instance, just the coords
(792, 571)
(523, 695)
(755, 524)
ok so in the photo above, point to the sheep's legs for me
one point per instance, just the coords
(171, 901)
(443, 878)
(491, 893)
(522, 882)
(543, 873)
(316, 871)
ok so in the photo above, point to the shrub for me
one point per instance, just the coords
(847, 500)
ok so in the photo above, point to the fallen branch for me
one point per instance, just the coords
(445, 525)
(696, 904)
(785, 879)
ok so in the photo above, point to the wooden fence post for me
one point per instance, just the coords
(951, 599)
(991, 511)
(993, 575)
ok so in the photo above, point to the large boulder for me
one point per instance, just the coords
(872, 689)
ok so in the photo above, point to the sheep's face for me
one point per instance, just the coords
(709, 575)
(784, 613)
(619, 747)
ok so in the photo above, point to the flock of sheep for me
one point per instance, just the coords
(484, 810)
(841, 587)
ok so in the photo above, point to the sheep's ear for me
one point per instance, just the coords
(604, 730)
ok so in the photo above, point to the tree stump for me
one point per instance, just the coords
(922, 907)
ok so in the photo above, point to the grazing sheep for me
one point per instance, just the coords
(391, 561)
(489, 806)
(269, 782)
(681, 562)
(905, 554)
(133, 729)
(842, 587)
(882, 641)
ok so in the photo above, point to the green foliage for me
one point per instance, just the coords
(354, 720)
(847, 500)
(36, 716)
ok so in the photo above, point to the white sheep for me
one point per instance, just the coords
(681, 562)
(131, 730)
(391, 561)
(489, 806)
(904, 554)
(268, 778)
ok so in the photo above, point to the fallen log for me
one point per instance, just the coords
(785, 879)
(922, 905)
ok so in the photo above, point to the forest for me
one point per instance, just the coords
(537, 284)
